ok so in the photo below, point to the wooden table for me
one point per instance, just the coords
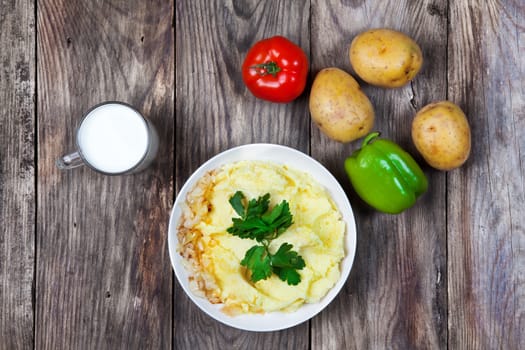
(83, 257)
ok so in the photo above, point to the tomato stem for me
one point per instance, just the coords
(266, 68)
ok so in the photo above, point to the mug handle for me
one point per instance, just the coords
(69, 161)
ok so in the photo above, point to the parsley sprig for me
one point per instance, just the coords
(257, 222)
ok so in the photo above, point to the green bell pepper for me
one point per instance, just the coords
(384, 175)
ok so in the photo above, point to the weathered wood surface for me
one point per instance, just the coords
(83, 257)
(104, 279)
(17, 174)
(486, 225)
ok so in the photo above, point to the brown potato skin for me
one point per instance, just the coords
(338, 106)
(441, 133)
(385, 57)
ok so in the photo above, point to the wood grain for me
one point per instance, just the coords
(396, 294)
(83, 257)
(17, 174)
(103, 279)
(486, 231)
(214, 111)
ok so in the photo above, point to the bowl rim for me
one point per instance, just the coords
(278, 320)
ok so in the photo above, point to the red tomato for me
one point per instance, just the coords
(275, 69)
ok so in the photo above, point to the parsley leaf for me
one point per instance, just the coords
(255, 221)
(236, 203)
(286, 257)
(259, 263)
(279, 218)
(259, 206)
(286, 262)
(258, 223)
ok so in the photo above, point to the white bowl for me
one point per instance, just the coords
(271, 321)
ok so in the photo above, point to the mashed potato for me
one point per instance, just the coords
(213, 255)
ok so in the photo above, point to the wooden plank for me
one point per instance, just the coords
(104, 279)
(486, 233)
(214, 111)
(17, 174)
(396, 294)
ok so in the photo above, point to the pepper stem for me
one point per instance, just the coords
(266, 68)
(370, 137)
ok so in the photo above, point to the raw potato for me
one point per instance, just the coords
(339, 107)
(441, 134)
(385, 57)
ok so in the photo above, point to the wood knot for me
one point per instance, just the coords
(434, 10)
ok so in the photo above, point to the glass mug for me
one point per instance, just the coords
(113, 139)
